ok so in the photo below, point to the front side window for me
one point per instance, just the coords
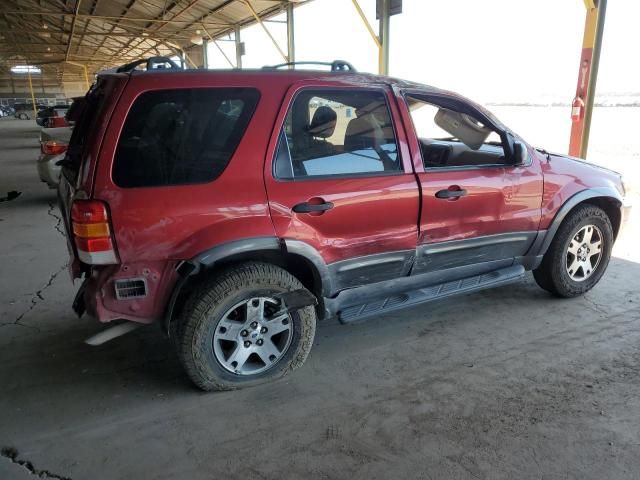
(450, 139)
(185, 136)
(337, 132)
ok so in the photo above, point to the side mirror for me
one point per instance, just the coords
(520, 153)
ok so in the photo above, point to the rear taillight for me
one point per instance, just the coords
(51, 147)
(57, 122)
(90, 221)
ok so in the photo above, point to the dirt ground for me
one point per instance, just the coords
(509, 383)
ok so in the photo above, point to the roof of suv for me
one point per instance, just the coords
(287, 76)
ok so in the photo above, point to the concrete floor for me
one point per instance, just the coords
(507, 383)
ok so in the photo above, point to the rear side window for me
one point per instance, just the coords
(345, 132)
(185, 136)
(88, 113)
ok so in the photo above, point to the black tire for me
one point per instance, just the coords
(196, 324)
(552, 273)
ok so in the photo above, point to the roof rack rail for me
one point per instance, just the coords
(336, 65)
(150, 62)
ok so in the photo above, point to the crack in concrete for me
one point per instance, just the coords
(36, 298)
(11, 454)
(51, 213)
(596, 306)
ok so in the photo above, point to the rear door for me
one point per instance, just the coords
(182, 168)
(339, 180)
(479, 212)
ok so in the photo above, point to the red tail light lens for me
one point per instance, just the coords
(51, 147)
(90, 222)
(57, 122)
(93, 245)
(88, 211)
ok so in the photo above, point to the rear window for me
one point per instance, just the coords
(185, 136)
(89, 111)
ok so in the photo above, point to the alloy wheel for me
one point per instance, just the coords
(252, 336)
(584, 253)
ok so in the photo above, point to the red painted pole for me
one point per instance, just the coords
(584, 72)
(582, 105)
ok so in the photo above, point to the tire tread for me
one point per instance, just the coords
(188, 328)
(550, 274)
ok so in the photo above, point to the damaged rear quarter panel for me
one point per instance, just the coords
(100, 297)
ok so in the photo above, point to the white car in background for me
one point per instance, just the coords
(53, 147)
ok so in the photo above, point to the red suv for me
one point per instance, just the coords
(236, 208)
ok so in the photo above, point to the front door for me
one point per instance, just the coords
(341, 182)
(479, 212)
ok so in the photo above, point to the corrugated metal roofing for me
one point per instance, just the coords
(103, 33)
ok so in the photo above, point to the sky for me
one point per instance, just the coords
(490, 50)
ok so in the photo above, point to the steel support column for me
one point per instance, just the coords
(205, 54)
(86, 77)
(238, 42)
(582, 106)
(33, 97)
(84, 68)
(377, 40)
(384, 36)
(291, 44)
(212, 40)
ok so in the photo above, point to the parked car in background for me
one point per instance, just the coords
(53, 147)
(237, 208)
(47, 117)
(24, 111)
(75, 109)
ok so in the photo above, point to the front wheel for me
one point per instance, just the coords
(579, 253)
(232, 332)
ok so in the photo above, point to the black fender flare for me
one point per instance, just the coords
(570, 204)
(208, 258)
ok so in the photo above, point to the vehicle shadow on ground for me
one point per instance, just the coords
(31, 199)
(52, 351)
(144, 362)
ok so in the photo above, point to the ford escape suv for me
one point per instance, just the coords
(237, 208)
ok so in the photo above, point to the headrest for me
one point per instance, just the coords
(323, 122)
(362, 133)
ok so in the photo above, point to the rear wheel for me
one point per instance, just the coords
(579, 253)
(232, 332)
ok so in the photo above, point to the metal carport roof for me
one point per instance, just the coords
(101, 33)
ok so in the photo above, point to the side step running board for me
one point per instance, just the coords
(427, 294)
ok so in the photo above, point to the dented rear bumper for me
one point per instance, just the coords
(98, 295)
